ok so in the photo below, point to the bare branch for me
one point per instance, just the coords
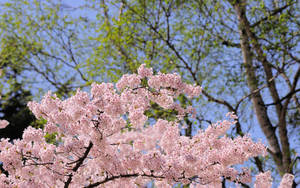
(274, 12)
(78, 164)
(255, 91)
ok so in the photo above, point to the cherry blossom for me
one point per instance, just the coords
(104, 139)
(3, 124)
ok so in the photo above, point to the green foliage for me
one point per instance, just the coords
(37, 37)
(39, 123)
(51, 138)
(158, 112)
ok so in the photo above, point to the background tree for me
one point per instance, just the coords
(37, 52)
(14, 96)
(40, 37)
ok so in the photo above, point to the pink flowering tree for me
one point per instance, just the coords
(104, 139)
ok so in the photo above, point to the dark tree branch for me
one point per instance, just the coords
(133, 175)
(287, 96)
(291, 86)
(293, 90)
(274, 12)
(254, 92)
(122, 176)
(78, 164)
(228, 43)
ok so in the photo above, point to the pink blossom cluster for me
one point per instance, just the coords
(3, 123)
(264, 180)
(104, 140)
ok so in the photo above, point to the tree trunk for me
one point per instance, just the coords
(257, 100)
